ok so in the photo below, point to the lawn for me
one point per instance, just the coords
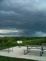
(13, 59)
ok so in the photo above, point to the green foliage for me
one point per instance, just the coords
(7, 42)
(13, 59)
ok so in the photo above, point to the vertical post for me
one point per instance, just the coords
(27, 48)
(12, 49)
(42, 49)
(8, 49)
(24, 52)
(41, 52)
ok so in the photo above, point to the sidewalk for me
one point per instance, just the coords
(18, 52)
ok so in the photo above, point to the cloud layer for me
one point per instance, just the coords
(11, 32)
(26, 15)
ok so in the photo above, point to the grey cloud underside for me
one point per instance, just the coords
(27, 15)
(32, 22)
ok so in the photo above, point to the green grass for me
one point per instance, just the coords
(13, 59)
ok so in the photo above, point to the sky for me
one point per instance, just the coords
(23, 18)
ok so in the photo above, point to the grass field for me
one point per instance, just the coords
(12, 59)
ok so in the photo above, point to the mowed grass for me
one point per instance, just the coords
(2, 58)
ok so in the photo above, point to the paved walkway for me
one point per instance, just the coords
(18, 52)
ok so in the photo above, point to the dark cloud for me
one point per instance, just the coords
(27, 15)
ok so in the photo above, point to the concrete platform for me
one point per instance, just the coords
(18, 52)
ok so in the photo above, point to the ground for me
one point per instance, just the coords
(18, 52)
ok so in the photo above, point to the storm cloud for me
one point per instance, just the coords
(26, 15)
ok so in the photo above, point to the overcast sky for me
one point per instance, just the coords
(23, 17)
